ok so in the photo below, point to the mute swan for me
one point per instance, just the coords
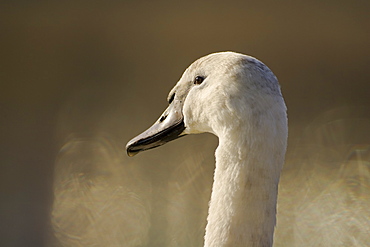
(237, 98)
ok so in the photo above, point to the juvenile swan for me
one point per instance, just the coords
(237, 98)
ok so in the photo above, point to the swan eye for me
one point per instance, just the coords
(198, 80)
(171, 99)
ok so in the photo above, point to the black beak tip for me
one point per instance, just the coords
(131, 152)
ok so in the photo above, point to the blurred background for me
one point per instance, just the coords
(81, 78)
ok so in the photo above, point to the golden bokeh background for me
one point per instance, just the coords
(80, 78)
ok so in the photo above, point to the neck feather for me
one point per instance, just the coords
(242, 209)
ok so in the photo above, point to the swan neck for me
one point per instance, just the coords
(242, 209)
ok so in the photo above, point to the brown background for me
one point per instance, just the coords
(80, 78)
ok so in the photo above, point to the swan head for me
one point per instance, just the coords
(216, 94)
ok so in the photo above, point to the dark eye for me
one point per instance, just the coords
(171, 99)
(198, 80)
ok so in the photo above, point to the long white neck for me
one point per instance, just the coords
(242, 209)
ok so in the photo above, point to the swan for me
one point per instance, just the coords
(237, 98)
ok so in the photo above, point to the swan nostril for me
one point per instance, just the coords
(163, 118)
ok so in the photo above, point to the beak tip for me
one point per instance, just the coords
(131, 154)
(129, 150)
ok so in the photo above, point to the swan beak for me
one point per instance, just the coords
(167, 128)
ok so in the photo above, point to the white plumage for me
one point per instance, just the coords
(237, 98)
